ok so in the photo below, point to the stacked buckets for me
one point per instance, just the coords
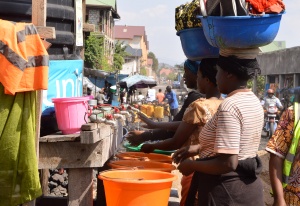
(70, 113)
(137, 187)
(138, 183)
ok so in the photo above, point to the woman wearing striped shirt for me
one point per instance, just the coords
(195, 117)
(226, 172)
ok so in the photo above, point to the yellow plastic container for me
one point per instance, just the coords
(167, 110)
(137, 187)
(159, 112)
(143, 108)
(136, 117)
(150, 110)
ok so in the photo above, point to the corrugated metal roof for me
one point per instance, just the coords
(133, 52)
(128, 32)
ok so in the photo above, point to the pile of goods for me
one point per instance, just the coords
(151, 110)
(104, 113)
(186, 16)
(204, 27)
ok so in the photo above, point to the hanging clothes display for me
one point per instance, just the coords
(23, 69)
(186, 16)
(19, 178)
(23, 58)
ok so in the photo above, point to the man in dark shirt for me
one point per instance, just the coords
(109, 94)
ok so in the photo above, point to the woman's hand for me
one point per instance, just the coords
(134, 137)
(150, 124)
(186, 167)
(185, 152)
(147, 148)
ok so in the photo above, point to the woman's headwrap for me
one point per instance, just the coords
(192, 65)
(244, 69)
(208, 68)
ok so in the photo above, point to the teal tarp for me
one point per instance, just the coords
(139, 81)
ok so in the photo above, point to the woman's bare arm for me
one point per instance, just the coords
(275, 171)
(180, 137)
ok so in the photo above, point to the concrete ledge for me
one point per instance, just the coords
(174, 197)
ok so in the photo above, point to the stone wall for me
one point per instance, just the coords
(94, 18)
(284, 61)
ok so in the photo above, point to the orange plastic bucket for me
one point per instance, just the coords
(145, 165)
(137, 187)
(144, 157)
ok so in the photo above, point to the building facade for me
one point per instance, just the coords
(103, 14)
(281, 68)
(137, 46)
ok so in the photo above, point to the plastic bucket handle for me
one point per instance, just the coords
(87, 110)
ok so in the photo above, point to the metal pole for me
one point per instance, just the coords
(95, 85)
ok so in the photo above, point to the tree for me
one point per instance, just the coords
(93, 51)
(260, 84)
(151, 55)
(94, 54)
(119, 54)
(180, 67)
(172, 76)
(143, 71)
(163, 74)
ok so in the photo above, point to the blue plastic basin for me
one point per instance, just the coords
(240, 31)
(195, 45)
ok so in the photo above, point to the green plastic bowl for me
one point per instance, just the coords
(138, 149)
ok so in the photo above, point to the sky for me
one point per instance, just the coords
(158, 17)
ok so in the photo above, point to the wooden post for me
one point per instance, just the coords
(39, 12)
(83, 19)
(81, 184)
(38, 18)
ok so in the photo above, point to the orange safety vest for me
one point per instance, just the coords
(23, 58)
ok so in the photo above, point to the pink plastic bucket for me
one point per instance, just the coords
(70, 112)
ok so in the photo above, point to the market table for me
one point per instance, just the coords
(80, 154)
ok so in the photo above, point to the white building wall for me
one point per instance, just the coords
(129, 68)
(135, 43)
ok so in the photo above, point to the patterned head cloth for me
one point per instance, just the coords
(192, 65)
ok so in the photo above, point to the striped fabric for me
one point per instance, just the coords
(235, 128)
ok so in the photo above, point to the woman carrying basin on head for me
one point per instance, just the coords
(195, 117)
(226, 172)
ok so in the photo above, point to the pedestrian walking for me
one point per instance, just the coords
(172, 100)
